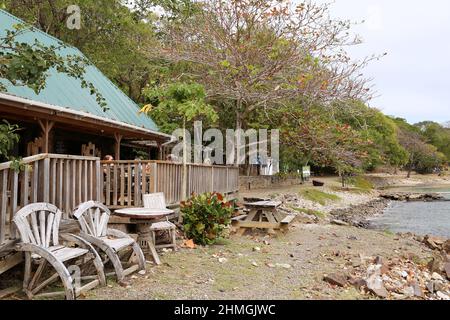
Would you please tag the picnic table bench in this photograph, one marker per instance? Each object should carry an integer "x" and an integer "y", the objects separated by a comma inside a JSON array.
[{"x": 263, "y": 215}]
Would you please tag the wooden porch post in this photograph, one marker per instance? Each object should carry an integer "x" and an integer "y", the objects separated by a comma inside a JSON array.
[
  {"x": 118, "y": 138},
  {"x": 46, "y": 127},
  {"x": 160, "y": 152}
]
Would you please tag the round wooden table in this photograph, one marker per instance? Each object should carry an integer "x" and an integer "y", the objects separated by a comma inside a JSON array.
[{"x": 144, "y": 218}]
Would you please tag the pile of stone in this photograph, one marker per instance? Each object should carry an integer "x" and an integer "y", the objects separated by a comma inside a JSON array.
[
  {"x": 436, "y": 243},
  {"x": 357, "y": 215},
  {"x": 397, "y": 279},
  {"x": 403, "y": 196}
]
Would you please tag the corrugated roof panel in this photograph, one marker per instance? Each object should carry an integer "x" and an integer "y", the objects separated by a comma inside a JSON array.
[{"x": 64, "y": 91}]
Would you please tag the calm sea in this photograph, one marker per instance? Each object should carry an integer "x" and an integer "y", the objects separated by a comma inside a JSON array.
[{"x": 420, "y": 218}]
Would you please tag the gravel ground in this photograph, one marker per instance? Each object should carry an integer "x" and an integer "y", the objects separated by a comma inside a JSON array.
[
  {"x": 257, "y": 266},
  {"x": 290, "y": 266}
]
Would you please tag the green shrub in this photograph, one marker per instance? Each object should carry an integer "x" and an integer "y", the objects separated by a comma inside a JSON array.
[
  {"x": 205, "y": 217},
  {"x": 318, "y": 196}
]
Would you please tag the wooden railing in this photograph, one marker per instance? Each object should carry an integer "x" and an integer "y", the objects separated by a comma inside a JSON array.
[
  {"x": 65, "y": 181},
  {"x": 126, "y": 181}
]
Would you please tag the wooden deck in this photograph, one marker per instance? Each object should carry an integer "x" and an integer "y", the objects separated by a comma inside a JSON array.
[
  {"x": 125, "y": 182},
  {"x": 66, "y": 181}
]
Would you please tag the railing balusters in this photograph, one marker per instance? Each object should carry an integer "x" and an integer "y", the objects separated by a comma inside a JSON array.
[
  {"x": 62, "y": 180},
  {"x": 4, "y": 204}
]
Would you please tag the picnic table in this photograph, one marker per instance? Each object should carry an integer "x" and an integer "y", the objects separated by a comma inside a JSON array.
[
  {"x": 144, "y": 218},
  {"x": 263, "y": 215}
]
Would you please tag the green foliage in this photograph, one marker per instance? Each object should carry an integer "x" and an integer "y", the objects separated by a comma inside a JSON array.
[
  {"x": 205, "y": 217},
  {"x": 318, "y": 196},
  {"x": 246, "y": 76},
  {"x": 117, "y": 40},
  {"x": 436, "y": 135},
  {"x": 174, "y": 104},
  {"x": 8, "y": 137},
  {"x": 25, "y": 64},
  {"x": 379, "y": 130},
  {"x": 423, "y": 157},
  {"x": 140, "y": 154},
  {"x": 313, "y": 136},
  {"x": 173, "y": 9}
]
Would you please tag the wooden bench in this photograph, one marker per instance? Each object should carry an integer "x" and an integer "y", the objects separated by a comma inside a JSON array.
[
  {"x": 239, "y": 218},
  {"x": 285, "y": 223},
  {"x": 262, "y": 215},
  {"x": 288, "y": 220}
]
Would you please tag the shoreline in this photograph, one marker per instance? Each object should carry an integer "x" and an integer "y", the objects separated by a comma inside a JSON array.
[{"x": 355, "y": 208}]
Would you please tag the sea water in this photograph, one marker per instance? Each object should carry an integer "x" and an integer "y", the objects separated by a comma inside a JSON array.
[{"x": 420, "y": 218}]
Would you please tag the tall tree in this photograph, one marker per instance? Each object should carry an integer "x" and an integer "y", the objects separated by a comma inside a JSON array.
[
  {"x": 377, "y": 128},
  {"x": 437, "y": 135},
  {"x": 423, "y": 157},
  {"x": 256, "y": 54},
  {"x": 312, "y": 137}
]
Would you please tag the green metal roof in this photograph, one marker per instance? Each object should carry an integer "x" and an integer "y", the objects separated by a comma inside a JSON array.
[{"x": 64, "y": 91}]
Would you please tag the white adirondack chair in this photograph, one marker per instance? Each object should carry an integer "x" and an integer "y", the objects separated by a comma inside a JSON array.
[
  {"x": 38, "y": 226},
  {"x": 93, "y": 218},
  {"x": 158, "y": 201}
]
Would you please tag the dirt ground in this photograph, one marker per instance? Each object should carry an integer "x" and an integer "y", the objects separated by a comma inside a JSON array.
[
  {"x": 256, "y": 266},
  {"x": 291, "y": 266}
]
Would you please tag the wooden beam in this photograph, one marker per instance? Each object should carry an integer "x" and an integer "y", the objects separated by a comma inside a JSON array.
[
  {"x": 46, "y": 127},
  {"x": 28, "y": 113},
  {"x": 160, "y": 152},
  {"x": 258, "y": 225},
  {"x": 118, "y": 137}
]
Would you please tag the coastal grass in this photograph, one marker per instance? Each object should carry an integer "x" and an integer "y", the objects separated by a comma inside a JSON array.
[
  {"x": 389, "y": 232},
  {"x": 318, "y": 196},
  {"x": 352, "y": 190},
  {"x": 310, "y": 212},
  {"x": 362, "y": 183}
]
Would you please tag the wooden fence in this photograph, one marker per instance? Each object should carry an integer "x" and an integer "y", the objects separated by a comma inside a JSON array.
[
  {"x": 126, "y": 181},
  {"x": 62, "y": 180},
  {"x": 66, "y": 181}
]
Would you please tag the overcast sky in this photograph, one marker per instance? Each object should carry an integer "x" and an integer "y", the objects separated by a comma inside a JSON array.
[{"x": 412, "y": 81}]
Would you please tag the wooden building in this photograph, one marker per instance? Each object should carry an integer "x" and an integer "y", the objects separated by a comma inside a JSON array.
[
  {"x": 65, "y": 118},
  {"x": 65, "y": 134}
]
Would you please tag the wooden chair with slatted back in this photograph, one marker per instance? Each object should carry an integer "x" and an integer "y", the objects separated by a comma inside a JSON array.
[
  {"x": 158, "y": 201},
  {"x": 93, "y": 218},
  {"x": 38, "y": 226}
]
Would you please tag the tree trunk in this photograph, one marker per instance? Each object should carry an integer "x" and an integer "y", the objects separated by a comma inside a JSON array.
[
  {"x": 184, "y": 186},
  {"x": 238, "y": 127}
]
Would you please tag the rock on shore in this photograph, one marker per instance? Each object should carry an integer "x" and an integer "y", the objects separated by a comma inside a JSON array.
[
  {"x": 357, "y": 215},
  {"x": 405, "y": 196}
]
